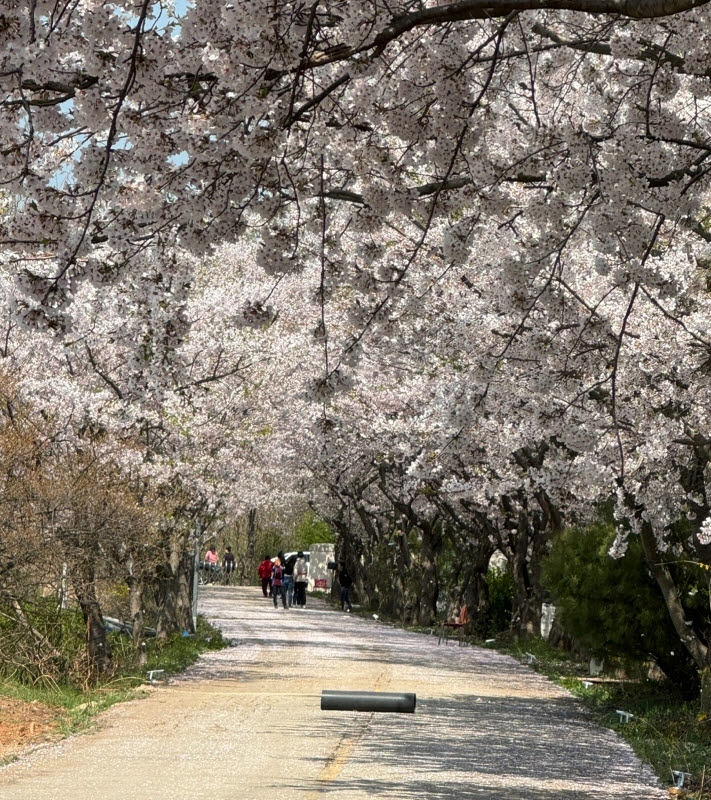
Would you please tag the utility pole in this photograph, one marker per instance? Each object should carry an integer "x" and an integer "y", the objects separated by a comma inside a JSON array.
[
  {"x": 196, "y": 562},
  {"x": 64, "y": 588}
]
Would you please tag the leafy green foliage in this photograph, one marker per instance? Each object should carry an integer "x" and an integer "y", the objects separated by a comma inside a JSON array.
[
  {"x": 556, "y": 664},
  {"x": 269, "y": 542},
  {"x": 311, "y": 529},
  {"x": 62, "y": 632},
  {"x": 76, "y": 705},
  {"x": 501, "y": 600},
  {"x": 172, "y": 654},
  {"x": 66, "y": 632},
  {"x": 612, "y": 607}
]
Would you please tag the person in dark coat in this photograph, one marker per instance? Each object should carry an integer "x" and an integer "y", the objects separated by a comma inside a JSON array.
[
  {"x": 228, "y": 561},
  {"x": 345, "y": 581}
]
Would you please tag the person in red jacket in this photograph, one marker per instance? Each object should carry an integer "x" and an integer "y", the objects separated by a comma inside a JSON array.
[{"x": 265, "y": 575}]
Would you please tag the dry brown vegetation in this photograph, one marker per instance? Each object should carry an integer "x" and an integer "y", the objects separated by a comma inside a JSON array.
[
  {"x": 23, "y": 725},
  {"x": 77, "y": 527}
]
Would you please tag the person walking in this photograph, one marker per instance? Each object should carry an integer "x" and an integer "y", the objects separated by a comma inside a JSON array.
[
  {"x": 264, "y": 570},
  {"x": 288, "y": 567},
  {"x": 345, "y": 581},
  {"x": 278, "y": 583},
  {"x": 228, "y": 564},
  {"x": 301, "y": 578}
]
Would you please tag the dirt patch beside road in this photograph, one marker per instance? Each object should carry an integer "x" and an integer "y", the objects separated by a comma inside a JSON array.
[{"x": 25, "y": 724}]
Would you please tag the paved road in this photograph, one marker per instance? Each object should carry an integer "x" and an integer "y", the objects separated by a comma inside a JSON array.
[{"x": 245, "y": 723}]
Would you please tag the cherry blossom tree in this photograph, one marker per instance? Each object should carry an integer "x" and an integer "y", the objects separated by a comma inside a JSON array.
[
  {"x": 135, "y": 129},
  {"x": 441, "y": 268}
]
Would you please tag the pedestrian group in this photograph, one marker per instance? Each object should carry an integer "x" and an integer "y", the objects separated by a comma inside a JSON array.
[
  {"x": 283, "y": 578},
  {"x": 286, "y": 579}
]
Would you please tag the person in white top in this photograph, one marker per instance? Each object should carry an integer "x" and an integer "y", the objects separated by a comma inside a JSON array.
[{"x": 301, "y": 578}]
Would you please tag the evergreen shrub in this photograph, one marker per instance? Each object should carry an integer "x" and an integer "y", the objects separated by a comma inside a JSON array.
[
  {"x": 501, "y": 600},
  {"x": 613, "y": 607}
]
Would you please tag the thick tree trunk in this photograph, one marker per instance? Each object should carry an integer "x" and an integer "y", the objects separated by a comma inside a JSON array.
[
  {"x": 97, "y": 644},
  {"x": 357, "y": 550},
  {"x": 403, "y": 606},
  {"x": 526, "y": 569},
  {"x": 250, "y": 563},
  {"x": 173, "y": 589},
  {"x": 429, "y": 581},
  {"x": 529, "y": 612},
  {"x": 528, "y": 603},
  {"x": 185, "y": 607},
  {"x": 167, "y": 601},
  {"x": 368, "y": 592},
  {"x": 174, "y": 610},
  {"x": 683, "y": 674},
  {"x": 705, "y": 681},
  {"x": 476, "y": 599},
  {"x": 476, "y": 591},
  {"x": 689, "y": 638},
  {"x": 559, "y": 638},
  {"x": 396, "y": 598}
]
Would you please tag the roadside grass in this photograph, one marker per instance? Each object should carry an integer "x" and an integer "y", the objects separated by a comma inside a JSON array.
[
  {"x": 77, "y": 705},
  {"x": 172, "y": 655},
  {"x": 668, "y": 732},
  {"x": 74, "y": 707}
]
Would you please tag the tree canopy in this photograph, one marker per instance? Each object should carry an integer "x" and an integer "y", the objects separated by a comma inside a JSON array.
[{"x": 440, "y": 270}]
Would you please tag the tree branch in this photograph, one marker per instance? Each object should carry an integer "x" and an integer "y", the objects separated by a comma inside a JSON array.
[{"x": 465, "y": 10}]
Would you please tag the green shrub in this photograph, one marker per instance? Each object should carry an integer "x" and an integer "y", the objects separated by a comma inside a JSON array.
[
  {"x": 612, "y": 607},
  {"x": 501, "y": 600},
  {"x": 60, "y": 659},
  {"x": 172, "y": 654},
  {"x": 54, "y": 646}
]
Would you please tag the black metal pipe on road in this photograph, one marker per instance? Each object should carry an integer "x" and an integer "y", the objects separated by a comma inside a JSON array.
[{"x": 394, "y": 702}]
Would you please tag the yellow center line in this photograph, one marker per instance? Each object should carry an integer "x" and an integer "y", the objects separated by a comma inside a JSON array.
[{"x": 346, "y": 745}]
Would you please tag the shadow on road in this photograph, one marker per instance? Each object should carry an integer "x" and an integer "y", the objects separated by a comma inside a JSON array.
[
  {"x": 511, "y": 750},
  {"x": 504, "y": 732}
]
